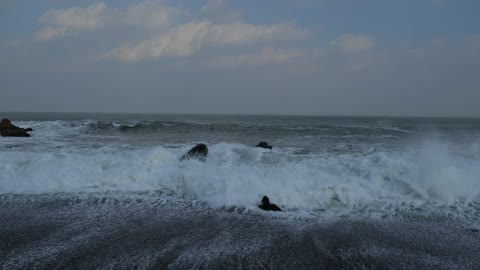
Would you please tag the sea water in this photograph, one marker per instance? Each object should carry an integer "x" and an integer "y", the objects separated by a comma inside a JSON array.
[{"x": 109, "y": 191}]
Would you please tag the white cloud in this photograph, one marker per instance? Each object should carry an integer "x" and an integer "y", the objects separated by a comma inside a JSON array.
[
  {"x": 63, "y": 22},
  {"x": 240, "y": 33},
  {"x": 147, "y": 14},
  {"x": 50, "y": 33},
  {"x": 349, "y": 43},
  {"x": 170, "y": 31},
  {"x": 188, "y": 38},
  {"x": 266, "y": 56}
]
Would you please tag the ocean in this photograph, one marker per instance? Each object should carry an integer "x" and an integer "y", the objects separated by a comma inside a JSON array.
[{"x": 108, "y": 191}]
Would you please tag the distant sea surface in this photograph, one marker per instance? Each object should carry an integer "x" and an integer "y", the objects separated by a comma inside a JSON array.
[{"x": 108, "y": 191}]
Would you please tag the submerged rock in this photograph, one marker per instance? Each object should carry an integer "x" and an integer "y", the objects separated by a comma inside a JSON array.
[
  {"x": 267, "y": 206},
  {"x": 264, "y": 145},
  {"x": 7, "y": 129},
  {"x": 200, "y": 152}
]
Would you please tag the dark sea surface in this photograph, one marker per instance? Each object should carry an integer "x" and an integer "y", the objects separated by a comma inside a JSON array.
[{"x": 108, "y": 191}]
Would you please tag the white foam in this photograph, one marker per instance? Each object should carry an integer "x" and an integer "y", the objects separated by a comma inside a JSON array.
[
  {"x": 444, "y": 176},
  {"x": 238, "y": 175}
]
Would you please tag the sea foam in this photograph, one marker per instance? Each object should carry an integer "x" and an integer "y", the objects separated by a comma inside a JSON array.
[{"x": 238, "y": 175}]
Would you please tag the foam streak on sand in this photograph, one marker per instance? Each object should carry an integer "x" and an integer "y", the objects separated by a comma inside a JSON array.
[{"x": 150, "y": 231}]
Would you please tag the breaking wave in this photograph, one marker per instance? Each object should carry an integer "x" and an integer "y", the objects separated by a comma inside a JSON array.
[{"x": 374, "y": 182}]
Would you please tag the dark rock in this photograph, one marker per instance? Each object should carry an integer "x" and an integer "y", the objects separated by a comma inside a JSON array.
[
  {"x": 7, "y": 129},
  {"x": 264, "y": 145},
  {"x": 200, "y": 151},
  {"x": 267, "y": 206},
  {"x": 6, "y": 124},
  {"x": 14, "y": 133}
]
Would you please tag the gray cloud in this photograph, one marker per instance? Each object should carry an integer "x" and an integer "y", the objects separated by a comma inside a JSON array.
[
  {"x": 349, "y": 43},
  {"x": 265, "y": 56},
  {"x": 174, "y": 61},
  {"x": 64, "y": 22},
  {"x": 188, "y": 38}
]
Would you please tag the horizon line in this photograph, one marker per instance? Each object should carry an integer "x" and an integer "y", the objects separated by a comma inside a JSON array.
[{"x": 243, "y": 114}]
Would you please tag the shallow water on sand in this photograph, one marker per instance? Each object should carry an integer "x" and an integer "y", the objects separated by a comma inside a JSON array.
[{"x": 155, "y": 231}]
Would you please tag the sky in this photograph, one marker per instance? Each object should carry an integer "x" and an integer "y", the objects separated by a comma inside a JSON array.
[{"x": 298, "y": 57}]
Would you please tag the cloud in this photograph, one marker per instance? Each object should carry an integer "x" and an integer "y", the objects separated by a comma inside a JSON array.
[
  {"x": 50, "y": 33},
  {"x": 266, "y": 56},
  {"x": 168, "y": 31},
  {"x": 348, "y": 43},
  {"x": 146, "y": 14},
  {"x": 63, "y": 22},
  {"x": 150, "y": 14},
  {"x": 218, "y": 11},
  {"x": 188, "y": 38}
]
